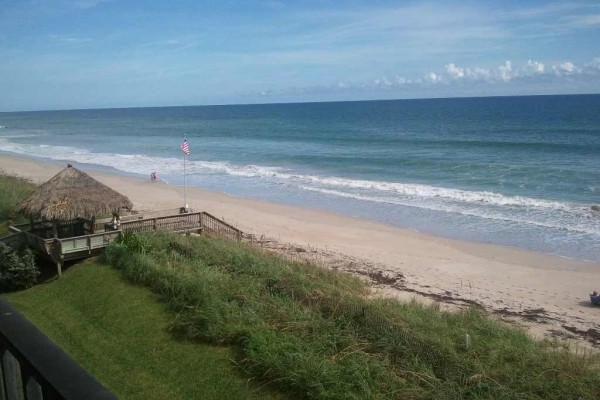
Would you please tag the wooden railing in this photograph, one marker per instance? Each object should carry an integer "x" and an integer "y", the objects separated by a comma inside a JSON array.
[
  {"x": 69, "y": 246},
  {"x": 213, "y": 225},
  {"x": 34, "y": 368},
  {"x": 38, "y": 242},
  {"x": 87, "y": 243},
  {"x": 44, "y": 229},
  {"x": 172, "y": 223}
]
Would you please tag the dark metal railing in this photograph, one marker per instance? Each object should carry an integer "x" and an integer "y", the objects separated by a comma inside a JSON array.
[{"x": 32, "y": 367}]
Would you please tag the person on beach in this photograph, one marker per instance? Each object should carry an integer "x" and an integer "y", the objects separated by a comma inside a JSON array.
[
  {"x": 153, "y": 176},
  {"x": 595, "y": 297}
]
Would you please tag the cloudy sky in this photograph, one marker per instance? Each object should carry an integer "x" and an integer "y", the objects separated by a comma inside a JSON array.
[{"x": 62, "y": 54}]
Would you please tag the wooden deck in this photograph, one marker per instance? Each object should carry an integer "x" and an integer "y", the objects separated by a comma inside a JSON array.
[{"x": 78, "y": 247}]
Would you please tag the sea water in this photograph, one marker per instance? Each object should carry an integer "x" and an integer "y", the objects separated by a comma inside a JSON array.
[{"x": 514, "y": 171}]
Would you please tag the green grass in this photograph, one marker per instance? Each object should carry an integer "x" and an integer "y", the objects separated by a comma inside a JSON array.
[
  {"x": 313, "y": 333},
  {"x": 122, "y": 335},
  {"x": 12, "y": 191}
]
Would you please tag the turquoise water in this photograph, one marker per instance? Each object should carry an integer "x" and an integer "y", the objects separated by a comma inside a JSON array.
[{"x": 516, "y": 171}]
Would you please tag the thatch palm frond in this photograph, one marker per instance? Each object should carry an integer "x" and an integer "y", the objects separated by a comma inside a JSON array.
[{"x": 72, "y": 194}]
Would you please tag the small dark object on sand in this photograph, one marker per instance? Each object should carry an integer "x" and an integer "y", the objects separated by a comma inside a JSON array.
[{"x": 595, "y": 298}]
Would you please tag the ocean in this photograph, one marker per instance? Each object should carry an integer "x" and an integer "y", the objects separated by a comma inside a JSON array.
[{"x": 513, "y": 171}]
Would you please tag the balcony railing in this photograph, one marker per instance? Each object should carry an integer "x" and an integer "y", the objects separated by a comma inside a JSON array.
[{"x": 32, "y": 367}]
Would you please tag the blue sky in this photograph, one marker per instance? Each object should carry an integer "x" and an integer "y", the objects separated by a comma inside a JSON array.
[{"x": 62, "y": 54}]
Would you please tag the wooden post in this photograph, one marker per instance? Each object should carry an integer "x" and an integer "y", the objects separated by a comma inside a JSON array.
[
  {"x": 55, "y": 228},
  {"x": 57, "y": 256}
]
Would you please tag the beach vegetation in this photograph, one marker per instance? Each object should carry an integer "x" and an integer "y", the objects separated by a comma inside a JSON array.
[
  {"x": 314, "y": 333},
  {"x": 12, "y": 191}
]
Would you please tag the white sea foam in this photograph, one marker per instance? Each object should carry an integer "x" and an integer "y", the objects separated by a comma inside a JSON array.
[
  {"x": 404, "y": 189},
  {"x": 487, "y": 205},
  {"x": 567, "y": 221}
]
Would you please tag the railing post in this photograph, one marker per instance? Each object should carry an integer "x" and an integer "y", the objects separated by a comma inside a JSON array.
[
  {"x": 10, "y": 369},
  {"x": 33, "y": 390}
]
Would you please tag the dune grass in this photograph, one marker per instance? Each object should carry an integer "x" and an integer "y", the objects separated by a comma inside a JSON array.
[
  {"x": 314, "y": 334},
  {"x": 122, "y": 335},
  {"x": 12, "y": 191}
]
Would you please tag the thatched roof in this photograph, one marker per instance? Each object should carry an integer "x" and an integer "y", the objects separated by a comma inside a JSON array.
[{"x": 72, "y": 194}]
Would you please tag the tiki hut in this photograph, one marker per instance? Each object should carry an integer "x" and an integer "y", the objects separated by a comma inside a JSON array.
[
  {"x": 72, "y": 194},
  {"x": 70, "y": 201}
]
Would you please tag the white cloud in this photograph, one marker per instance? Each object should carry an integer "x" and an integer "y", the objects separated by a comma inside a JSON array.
[
  {"x": 568, "y": 67},
  {"x": 70, "y": 40},
  {"x": 501, "y": 76},
  {"x": 478, "y": 74},
  {"x": 505, "y": 71},
  {"x": 454, "y": 72},
  {"x": 591, "y": 20},
  {"x": 432, "y": 77},
  {"x": 401, "y": 80},
  {"x": 565, "y": 68},
  {"x": 88, "y": 3},
  {"x": 534, "y": 66}
]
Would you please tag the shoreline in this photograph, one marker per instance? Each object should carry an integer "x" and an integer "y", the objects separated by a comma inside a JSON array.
[{"x": 547, "y": 294}]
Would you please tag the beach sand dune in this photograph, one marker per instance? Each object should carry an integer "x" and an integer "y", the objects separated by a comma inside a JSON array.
[{"x": 546, "y": 294}]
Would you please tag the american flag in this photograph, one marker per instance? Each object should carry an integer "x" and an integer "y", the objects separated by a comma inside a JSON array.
[{"x": 185, "y": 147}]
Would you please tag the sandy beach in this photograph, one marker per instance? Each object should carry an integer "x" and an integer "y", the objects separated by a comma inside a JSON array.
[{"x": 546, "y": 294}]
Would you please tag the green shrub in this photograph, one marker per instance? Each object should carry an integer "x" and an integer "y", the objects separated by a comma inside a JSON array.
[
  {"x": 17, "y": 269},
  {"x": 134, "y": 242}
]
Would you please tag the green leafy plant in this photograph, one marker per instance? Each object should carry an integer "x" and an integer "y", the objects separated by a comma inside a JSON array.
[
  {"x": 134, "y": 242},
  {"x": 17, "y": 269}
]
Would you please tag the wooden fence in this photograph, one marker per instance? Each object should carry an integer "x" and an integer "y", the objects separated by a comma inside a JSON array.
[
  {"x": 172, "y": 223},
  {"x": 215, "y": 226}
]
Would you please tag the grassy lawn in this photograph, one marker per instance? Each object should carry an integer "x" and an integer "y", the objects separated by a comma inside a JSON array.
[{"x": 120, "y": 334}]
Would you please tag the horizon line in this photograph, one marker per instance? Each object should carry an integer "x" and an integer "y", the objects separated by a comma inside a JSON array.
[{"x": 297, "y": 102}]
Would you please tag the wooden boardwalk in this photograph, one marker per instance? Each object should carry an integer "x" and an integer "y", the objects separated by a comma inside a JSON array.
[{"x": 87, "y": 245}]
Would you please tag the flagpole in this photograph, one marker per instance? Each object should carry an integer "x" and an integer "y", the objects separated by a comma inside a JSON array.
[
  {"x": 186, "y": 150},
  {"x": 185, "y": 203}
]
